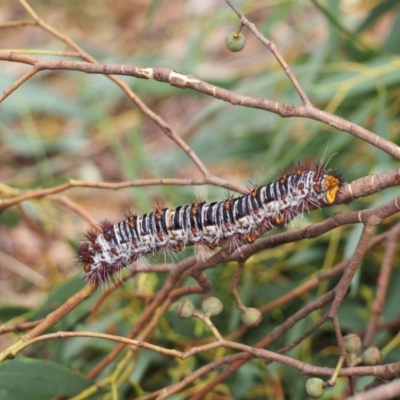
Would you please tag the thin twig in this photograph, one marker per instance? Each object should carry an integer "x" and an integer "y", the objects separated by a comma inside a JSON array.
[
  {"x": 275, "y": 52},
  {"x": 382, "y": 285}
]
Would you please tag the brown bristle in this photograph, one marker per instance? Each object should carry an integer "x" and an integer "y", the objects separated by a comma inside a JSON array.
[
  {"x": 91, "y": 235},
  {"x": 106, "y": 225},
  {"x": 130, "y": 216}
]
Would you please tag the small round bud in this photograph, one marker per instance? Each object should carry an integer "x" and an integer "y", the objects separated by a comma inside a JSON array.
[
  {"x": 315, "y": 387},
  {"x": 235, "y": 41},
  {"x": 251, "y": 316},
  {"x": 212, "y": 306},
  {"x": 185, "y": 309},
  {"x": 352, "y": 343},
  {"x": 371, "y": 356}
]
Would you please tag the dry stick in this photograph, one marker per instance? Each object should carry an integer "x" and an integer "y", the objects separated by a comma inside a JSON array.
[
  {"x": 185, "y": 291},
  {"x": 382, "y": 284},
  {"x": 76, "y": 208},
  {"x": 73, "y": 54},
  {"x": 371, "y": 221},
  {"x": 201, "y": 265},
  {"x": 254, "y": 352},
  {"x": 18, "y": 82},
  {"x": 383, "y": 392},
  {"x": 304, "y": 335},
  {"x": 23, "y": 326},
  {"x": 233, "y": 286},
  {"x": 39, "y": 193},
  {"x": 17, "y": 24},
  {"x": 341, "y": 288},
  {"x": 189, "y": 82}
]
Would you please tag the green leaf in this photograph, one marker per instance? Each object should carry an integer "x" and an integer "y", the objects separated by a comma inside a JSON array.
[
  {"x": 25, "y": 378},
  {"x": 59, "y": 296},
  {"x": 10, "y": 312}
]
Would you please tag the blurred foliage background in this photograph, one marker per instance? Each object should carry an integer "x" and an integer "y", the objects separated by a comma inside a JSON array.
[{"x": 67, "y": 125}]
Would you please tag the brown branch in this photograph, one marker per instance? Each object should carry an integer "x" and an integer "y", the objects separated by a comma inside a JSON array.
[
  {"x": 382, "y": 285},
  {"x": 181, "y": 81},
  {"x": 362, "y": 247},
  {"x": 74, "y": 207},
  {"x": 23, "y": 326},
  {"x": 383, "y": 392},
  {"x": 39, "y": 193},
  {"x": 12, "y": 88},
  {"x": 304, "y": 335},
  {"x": 17, "y": 24},
  {"x": 233, "y": 287},
  {"x": 44, "y": 52},
  {"x": 390, "y": 324}
]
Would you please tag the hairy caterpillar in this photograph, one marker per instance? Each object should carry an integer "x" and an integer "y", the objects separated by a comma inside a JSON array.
[{"x": 116, "y": 246}]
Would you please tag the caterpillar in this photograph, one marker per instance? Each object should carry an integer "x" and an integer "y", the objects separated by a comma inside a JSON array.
[{"x": 105, "y": 252}]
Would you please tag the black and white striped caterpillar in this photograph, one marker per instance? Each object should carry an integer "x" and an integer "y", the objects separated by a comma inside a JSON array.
[{"x": 207, "y": 224}]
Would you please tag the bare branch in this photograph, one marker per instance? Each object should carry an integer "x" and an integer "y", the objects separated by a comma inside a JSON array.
[{"x": 189, "y": 82}]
